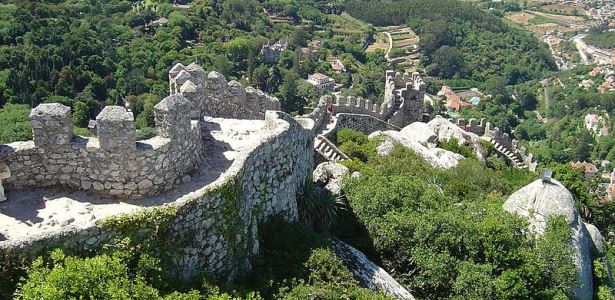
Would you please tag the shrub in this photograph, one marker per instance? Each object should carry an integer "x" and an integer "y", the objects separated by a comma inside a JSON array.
[
  {"x": 443, "y": 233},
  {"x": 145, "y": 133},
  {"x": 82, "y": 131},
  {"x": 317, "y": 208},
  {"x": 454, "y": 146},
  {"x": 329, "y": 279},
  {"x": 100, "y": 277},
  {"x": 356, "y": 145}
]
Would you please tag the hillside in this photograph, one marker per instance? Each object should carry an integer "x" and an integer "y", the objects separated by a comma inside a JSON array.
[
  {"x": 303, "y": 149},
  {"x": 459, "y": 41}
]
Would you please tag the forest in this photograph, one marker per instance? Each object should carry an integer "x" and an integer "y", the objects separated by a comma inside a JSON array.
[
  {"x": 458, "y": 41},
  {"x": 601, "y": 39},
  {"x": 88, "y": 54}
]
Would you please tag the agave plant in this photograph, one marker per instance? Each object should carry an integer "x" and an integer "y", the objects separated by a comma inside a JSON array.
[{"x": 317, "y": 207}]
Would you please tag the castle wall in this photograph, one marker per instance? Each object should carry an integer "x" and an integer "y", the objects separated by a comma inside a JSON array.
[
  {"x": 211, "y": 230},
  {"x": 402, "y": 105},
  {"x": 112, "y": 165},
  {"x": 362, "y": 123},
  {"x": 484, "y": 128},
  {"x": 210, "y": 94}
]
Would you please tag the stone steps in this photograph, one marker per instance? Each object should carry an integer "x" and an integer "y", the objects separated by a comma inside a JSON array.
[
  {"x": 327, "y": 149},
  {"x": 507, "y": 153}
]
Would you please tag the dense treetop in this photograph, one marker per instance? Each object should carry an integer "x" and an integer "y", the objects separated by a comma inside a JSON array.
[{"x": 459, "y": 41}]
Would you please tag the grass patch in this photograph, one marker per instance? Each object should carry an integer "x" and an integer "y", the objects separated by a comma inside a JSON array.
[{"x": 604, "y": 39}]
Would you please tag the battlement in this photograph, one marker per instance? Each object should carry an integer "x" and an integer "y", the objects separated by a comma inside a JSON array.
[
  {"x": 405, "y": 81},
  {"x": 210, "y": 94},
  {"x": 473, "y": 125},
  {"x": 113, "y": 164},
  {"x": 512, "y": 144},
  {"x": 402, "y": 105}
]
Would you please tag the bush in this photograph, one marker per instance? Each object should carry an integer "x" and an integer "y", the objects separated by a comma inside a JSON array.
[
  {"x": 146, "y": 133},
  {"x": 329, "y": 279},
  {"x": 317, "y": 208},
  {"x": 454, "y": 146},
  {"x": 348, "y": 135},
  {"x": 443, "y": 233},
  {"x": 356, "y": 145},
  {"x": 100, "y": 277},
  {"x": 82, "y": 131}
]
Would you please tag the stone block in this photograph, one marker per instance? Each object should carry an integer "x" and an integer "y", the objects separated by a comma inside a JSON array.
[
  {"x": 51, "y": 125},
  {"x": 172, "y": 121},
  {"x": 116, "y": 129}
]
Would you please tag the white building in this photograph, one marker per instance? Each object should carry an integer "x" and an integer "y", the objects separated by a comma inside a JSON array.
[{"x": 322, "y": 82}]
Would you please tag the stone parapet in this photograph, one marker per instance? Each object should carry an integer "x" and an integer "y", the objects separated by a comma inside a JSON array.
[
  {"x": 210, "y": 94},
  {"x": 112, "y": 165},
  {"x": 214, "y": 229}
]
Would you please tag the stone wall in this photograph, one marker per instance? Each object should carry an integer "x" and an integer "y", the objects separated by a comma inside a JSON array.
[
  {"x": 112, "y": 165},
  {"x": 213, "y": 229},
  {"x": 210, "y": 94},
  {"x": 362, "y": 123},
  {"x": 486, "y": 129},
  {"x": 402, "y": 105}
]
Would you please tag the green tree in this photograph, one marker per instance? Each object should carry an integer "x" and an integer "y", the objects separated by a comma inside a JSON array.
[{"x": 81, "y": 115}]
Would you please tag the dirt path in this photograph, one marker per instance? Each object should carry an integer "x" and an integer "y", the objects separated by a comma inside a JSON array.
[{"x": 386, "y": 55}]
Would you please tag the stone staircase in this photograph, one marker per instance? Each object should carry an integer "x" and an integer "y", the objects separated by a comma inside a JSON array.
[
  {"x": 327, "y": 149},
  {"x": 514, "y": 158}
]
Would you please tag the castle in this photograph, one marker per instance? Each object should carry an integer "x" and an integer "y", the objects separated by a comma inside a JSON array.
[
  {"x": 402, "y": 105},
  {"x": 225, "y": 158},
  {"x": 271, "y": 53}
]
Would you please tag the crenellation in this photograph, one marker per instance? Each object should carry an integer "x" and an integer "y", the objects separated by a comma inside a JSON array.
[
  {"x": 341, "y": 101},
  {"x": 197, "y": 74},
  {"x": 237, "y": 93},
  {"x": 52, "y": 126},
  {"x": 114, "y": 165},
  {"x": 351, "y": 103},
  {"x": 360, "y": 104},
  {"x": 216, "y": 84},
  {"x": 171, "y": 118},
  {"x": 180, "y": 79},
  {"x": 212, "y": 95},
  {"x": 252, "y": 99},
  {"x": 116, "y": 130},
  {"x": 173, "y": 86}
]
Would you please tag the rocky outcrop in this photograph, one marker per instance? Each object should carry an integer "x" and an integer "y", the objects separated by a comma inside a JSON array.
[
  {"x": 368, "y": 273},
  {"x": 422, "y": 133},
  {"x": 445, "y": 130},
  {"x": 436, "y": 157},
  {"x": 598, "y": 243},
  {"x": 545, "y": 198},
  {"x": 329, "y": 176}
]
